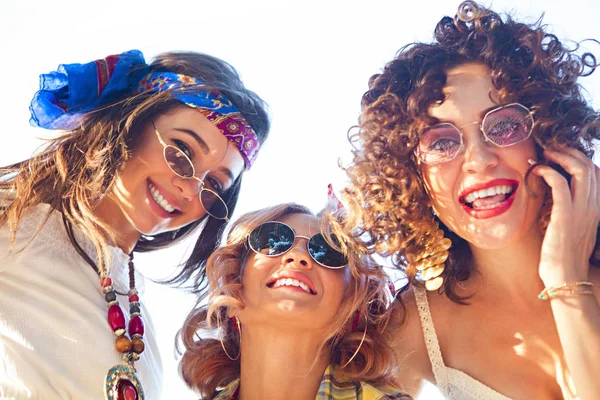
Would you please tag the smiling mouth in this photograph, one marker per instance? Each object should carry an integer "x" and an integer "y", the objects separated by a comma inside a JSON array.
[
  {"x": 488, "y": 198},
  {"x": 290, "y": 283},
  {"x": 160, "y": 200}
]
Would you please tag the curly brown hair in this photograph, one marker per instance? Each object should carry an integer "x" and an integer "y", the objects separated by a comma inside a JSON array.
[
  {"x": 74, "y": 171},
  {"x": 205, "y": 366},
  {"x": 389, "y": 209}
]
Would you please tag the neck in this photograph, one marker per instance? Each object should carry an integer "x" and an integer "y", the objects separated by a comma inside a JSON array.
[
  {"x": 510, "y": 271},
  {"x": 280, "y": 364},
  {"x": 109, "y": 212}
]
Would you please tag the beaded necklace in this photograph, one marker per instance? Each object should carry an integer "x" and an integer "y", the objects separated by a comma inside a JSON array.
[{"x": 121, "y": 381}]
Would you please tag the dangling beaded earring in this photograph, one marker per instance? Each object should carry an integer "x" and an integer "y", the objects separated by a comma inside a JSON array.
[
  {"x": 121, "y": 381},
  {"x": 431, "y": 260},
  {"x": 236, "y": 327}
]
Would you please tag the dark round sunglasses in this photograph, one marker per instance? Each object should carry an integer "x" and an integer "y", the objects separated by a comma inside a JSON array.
[{"x": 274, "y": 238}]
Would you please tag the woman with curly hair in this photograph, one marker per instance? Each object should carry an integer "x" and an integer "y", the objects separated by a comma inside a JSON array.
[
  {"x": 149, "y": 155},
  {"x": 474, "y": 176},
  {"x": 289, "y": 317}
]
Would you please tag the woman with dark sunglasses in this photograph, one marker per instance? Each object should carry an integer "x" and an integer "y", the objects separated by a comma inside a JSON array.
[
  {"x": 149, "y": 155},
  {"x": 288, "y": 317},
  {"x": 457, "y": 179}
]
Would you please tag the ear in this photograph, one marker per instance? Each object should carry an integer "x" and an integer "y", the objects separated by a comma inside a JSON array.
[{"x": 494, "y": 96}]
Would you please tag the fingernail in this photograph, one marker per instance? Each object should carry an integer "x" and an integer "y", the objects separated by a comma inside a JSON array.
[{"x": 531, "y": 161}]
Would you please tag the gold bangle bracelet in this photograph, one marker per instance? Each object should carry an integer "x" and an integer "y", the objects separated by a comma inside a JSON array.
[{"x": 566, "y": 288}]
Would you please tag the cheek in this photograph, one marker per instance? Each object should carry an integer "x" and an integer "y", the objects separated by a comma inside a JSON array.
[
  {"x": 439, "y": 184},
  {"x": 254, "y": 275},
  {"x": 336, "y": 283},
  {"x": 143, "y": 159}
]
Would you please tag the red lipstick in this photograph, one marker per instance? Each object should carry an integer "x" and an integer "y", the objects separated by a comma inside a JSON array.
[{"x": 501, "y": 208}]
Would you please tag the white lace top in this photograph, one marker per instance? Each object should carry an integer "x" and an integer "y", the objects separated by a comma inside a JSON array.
[
  {"x": 55, "y": 341},
  {"x": 452, "y": 383}
]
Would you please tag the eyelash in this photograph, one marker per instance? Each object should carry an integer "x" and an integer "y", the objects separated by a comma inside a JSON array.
[
  {"x": 183, "y": 146},
  {"x": 217, "y": 187}
]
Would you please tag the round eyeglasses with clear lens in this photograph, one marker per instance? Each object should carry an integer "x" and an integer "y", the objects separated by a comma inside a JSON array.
[
  {"x": 503, "y": 126},
  {"x": 183, "y": 167}
]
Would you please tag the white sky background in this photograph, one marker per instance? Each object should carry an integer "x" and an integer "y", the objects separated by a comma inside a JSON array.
[{"x": 309, "y": 60}]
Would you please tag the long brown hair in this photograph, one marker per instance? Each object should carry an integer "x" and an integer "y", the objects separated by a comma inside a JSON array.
[
  {"x": 389, "y": 208},
  {"x": 79, "y": 167},
  {"x": 205, "y": 366}
]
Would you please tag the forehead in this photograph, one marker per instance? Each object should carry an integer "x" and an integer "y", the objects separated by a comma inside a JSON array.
[
  {"x": 221, "y": 151},
  {"x": 468, "y": 89},
  {"x": 303, "y": 224}
]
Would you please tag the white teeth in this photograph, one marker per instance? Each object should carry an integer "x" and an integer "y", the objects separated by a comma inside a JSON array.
[
  {"x": 291, "y": 282},
  {"x": 492, "y": 191},
  {"x": 160, "y": 200}
]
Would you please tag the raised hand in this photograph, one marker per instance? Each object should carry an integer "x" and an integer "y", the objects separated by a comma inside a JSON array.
[{"x": 571, "y": 233}]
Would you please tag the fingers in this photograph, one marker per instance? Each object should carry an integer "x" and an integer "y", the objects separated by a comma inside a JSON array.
[
  {"x": 584, "y": 186},
  {"x": 561, "y": 195},
  {"x": 576, "y": 154},
  {"x": 571, "y": 162}
]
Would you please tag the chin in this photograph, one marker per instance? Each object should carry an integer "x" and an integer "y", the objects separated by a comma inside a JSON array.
[
  {"x": 496, "y": 237},
  {"x": 142, "y": 226}
]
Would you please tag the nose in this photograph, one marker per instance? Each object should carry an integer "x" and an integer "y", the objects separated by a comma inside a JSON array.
[
  {"x": 480, "y": 155},
  {"x": 298, "y": 256}
]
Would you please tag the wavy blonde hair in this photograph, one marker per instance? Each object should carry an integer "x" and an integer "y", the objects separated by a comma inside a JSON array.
[
  {"x": 389, "y": 208},
  {"x": 205, "y": 366}
]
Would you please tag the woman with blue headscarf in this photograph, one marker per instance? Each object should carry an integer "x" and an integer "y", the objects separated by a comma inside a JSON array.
[{"x": 149, "y": 155}]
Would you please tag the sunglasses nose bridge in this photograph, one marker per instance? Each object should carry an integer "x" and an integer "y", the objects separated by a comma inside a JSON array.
[
  {"x": 200, "y": 186},
  {"x": 483, "y": 135}
]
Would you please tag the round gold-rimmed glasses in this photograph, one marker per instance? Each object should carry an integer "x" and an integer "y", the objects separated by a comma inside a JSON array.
[
  {"x": 183, "y": 167},
  {"x": 503, "y": 126}
]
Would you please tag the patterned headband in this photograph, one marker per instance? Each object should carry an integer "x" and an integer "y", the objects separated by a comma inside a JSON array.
[
  {"x": 74, "y": 89},
  {"x": 213, "y": 105}
]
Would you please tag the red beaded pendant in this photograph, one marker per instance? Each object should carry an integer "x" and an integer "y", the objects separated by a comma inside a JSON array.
[{"x": 122, "y": 383}]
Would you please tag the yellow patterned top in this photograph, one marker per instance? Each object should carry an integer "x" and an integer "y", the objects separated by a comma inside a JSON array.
[{"x": 332, "y": 389}]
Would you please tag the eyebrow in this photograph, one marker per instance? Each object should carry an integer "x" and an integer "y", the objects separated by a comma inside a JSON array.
[
  {"x": 487, "y": 110},
  {"x": 227, "y": 172},
  {"x": 206, "y": 149},
  {"x": 201, "y": 142},
  {"x": 481, "y": 114}
]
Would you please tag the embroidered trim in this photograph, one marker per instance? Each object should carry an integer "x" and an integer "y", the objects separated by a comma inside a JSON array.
[
  {"x": 431, "y": 342},
  {"x": 465, "y": 384}
]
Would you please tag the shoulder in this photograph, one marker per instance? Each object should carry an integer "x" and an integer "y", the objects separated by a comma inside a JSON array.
[
  {"x": 6, "y": 198},
  {"x": 40, "y": 238},
  {"x": 408, "y": 343}
]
